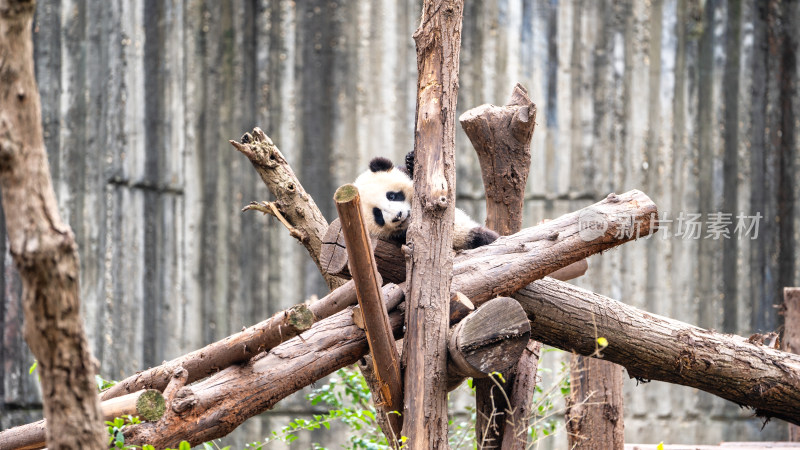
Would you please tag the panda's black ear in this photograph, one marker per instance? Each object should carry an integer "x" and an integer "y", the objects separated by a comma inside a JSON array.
[{"x": 380, "y": 164}]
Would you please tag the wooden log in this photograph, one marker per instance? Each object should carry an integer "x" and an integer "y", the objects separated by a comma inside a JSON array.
[
  {"x": 490, "y": 339},
  {"x": 649, "y": 346},
  {"x": 653, "y": 347},
  {"x": 148, "y": 405},
  {"x": 517, "y": 419},
  {"x": 292, "y": 203},
  {"x": 334, "y": 255},
  {"x": 572, "y": 271},
  {"x": 233, "y": 349},
  {"x": 791, "y": 335},
  {"x": 335, "y": 342},
  {"x": 501, "y": 136},
  {"x": 391, "y": 261},
  {"x": 595, "y": 405},
  {"x": 460, "y": 307},
  {"x": 430, "y": 268},
  {"x": 538, "y": 241},
  {"x": 43, "y": 246},
  {"x": 386, "y": 361},
  {"x": 497, "y": 270}
]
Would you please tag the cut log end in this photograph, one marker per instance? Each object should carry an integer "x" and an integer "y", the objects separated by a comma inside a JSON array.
[
  {"x": 490, "y": 339},
  {"x": 300, "y": 317},
  {"x": 346, "y": 193},
  {"x": 151, "y": 405}
]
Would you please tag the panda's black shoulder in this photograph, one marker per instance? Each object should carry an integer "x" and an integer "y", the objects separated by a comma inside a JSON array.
[{"x": 380, "y": 164}]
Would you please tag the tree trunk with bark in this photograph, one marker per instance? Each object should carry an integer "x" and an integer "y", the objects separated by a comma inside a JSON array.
[
  {"x": 43, "y": 247},
  {"x": 595, "y": 405},
  {"x": 791, "y": 336},
  {"x": 502, "y": 136},
  {"x": 146, "y": 404},
  {"x": 438, "y": 40}
]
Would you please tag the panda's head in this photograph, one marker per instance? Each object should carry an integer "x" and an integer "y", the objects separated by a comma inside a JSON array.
[{"x": 385, "y": 199}]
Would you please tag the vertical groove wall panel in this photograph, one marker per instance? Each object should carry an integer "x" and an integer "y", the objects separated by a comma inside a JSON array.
[{"x": 693, "y": 102}]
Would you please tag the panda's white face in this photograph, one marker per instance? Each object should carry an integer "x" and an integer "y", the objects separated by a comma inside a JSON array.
[{"x": 385, "y": 199}]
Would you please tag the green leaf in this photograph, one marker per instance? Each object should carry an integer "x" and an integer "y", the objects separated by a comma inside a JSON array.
[
  {"x": 33, "y": 367},
  {"x": 184, "y": 446},
  {"x": 660, "y": 446}
]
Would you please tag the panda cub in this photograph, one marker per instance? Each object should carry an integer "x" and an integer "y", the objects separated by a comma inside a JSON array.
[{"x": 386, "y": 194}]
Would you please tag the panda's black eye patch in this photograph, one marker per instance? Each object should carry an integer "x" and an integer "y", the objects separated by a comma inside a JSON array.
[
  {"x": 395, "y": 196},
  {"x": 377, "y": 214}
]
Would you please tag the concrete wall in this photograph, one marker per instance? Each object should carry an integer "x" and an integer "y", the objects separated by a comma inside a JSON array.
[{"x": 693, "y": 102}]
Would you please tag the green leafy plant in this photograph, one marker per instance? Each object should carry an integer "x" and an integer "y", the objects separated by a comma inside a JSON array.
[
  {"x": 103, "y": 384},
  {"x": 350, "y": 402},
  {"x": 116, "y": 429}
]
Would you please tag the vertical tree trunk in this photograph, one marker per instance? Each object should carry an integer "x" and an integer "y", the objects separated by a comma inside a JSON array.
[
  {"x": 43, "y": 247},
  {"x": 594, "y": 407},
  {"x": 438, "y": 40},
  {"x": 791, "y": 336},
  {"x": 502, "y": 138}
]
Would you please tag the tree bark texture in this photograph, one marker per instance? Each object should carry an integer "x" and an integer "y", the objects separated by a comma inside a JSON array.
[
  {"x": 501, "y": 136},
  {"x": 539, "y": 241},
  {"x": 649, "y": 346},
  {"x": 304, "y": 220},
  {"x": 653, "y": 347},
  {"x": 333, "y": 257},
  {"x": 515, "y": 433},
  {"x": 233, "y": 349},
  {"x": 438, "y": 41},
  {"x": 247, "y": 390},
  {"x": 499, "y": 271},
  {"x": 490, "y": 339},
  {"x": 42, "y": 246},
  {"x": 385, "y": 358},
  {"x": 146, "y": 404},
  {"x": 791, "y": 336},
  {"x": 594, "y": 415},
  {"x": 215, "y": 406}
]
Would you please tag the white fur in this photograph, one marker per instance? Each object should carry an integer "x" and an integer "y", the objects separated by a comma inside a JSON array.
[{"x": 373, "y": 186}]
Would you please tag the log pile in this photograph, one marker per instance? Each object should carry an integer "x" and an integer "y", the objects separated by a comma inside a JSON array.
[{"x": 271, "y": 361}]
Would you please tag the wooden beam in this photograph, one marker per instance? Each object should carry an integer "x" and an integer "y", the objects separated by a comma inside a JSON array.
[
  {"x": 481, "y": 274},
  {"x": 235, "y": 348},
  {"x": 385, "y": 359}
]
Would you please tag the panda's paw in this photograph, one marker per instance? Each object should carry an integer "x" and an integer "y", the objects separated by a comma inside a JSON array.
[
  {"x": 410, "y": 163},
  {"x": 480, "y": 236}
]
